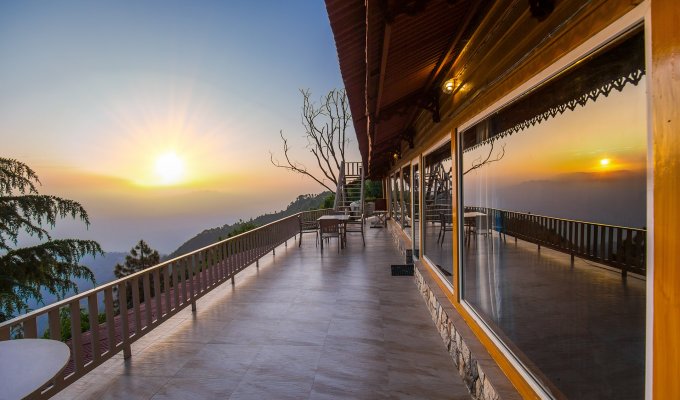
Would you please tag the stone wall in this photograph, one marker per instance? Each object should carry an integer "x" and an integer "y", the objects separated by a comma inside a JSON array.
[{"x": 479, "y": 371}]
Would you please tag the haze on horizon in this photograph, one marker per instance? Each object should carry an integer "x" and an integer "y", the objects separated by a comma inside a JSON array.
[{"x": 159, "y": 116}]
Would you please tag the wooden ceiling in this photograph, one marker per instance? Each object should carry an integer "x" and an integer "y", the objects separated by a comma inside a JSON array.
[{"x": 392, "y": 57}]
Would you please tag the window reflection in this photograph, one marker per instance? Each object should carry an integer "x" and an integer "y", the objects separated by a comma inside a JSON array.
[
  {"x": 406, "y": 199},
  {"x": 437, "y": 198},
  {"x": 416, "y": 212},
  {"x": 393, "y": 197},
  {"x": 554, "y": 235}
]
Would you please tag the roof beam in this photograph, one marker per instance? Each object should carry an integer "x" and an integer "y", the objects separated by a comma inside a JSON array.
[
  {"x": 443, "y": 60},
  {"x": 383, "y": 66}
]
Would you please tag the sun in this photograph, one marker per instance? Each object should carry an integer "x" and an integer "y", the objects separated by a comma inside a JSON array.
[
  {"x": 605, "y": 162},
  {"x": 169, "y": 168}
]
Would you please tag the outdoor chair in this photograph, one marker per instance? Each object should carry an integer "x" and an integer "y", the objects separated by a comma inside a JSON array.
[
  {"x": 480, "y": 227},
  {"x": 445, "y": 225},
  {"x": 308, "y": 226},
  {"x": 499, "y": 225},
  {"x": 330, "y": 229},
  {"x": 356, "y": 224}
]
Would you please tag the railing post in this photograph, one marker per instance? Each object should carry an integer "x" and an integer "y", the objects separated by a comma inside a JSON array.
[
  {"x": 191, "y": 271},
  {"x": 123, "y": 308}
]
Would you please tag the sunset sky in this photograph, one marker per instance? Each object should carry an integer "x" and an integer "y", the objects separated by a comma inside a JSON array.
[
  {"x": 158, "y": 116},
  {"x": 586, "y": 164}
]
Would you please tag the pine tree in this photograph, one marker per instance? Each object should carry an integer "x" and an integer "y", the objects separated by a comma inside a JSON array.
[
  {"x": 140, "y": 258},
  {"x": 51, "y": 264}
]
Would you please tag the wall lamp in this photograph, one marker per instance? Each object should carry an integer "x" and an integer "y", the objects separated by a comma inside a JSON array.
[{"x": 448, "y": 86}]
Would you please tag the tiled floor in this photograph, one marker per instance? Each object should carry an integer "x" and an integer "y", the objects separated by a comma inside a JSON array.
[{"x": 305, "y": 325}]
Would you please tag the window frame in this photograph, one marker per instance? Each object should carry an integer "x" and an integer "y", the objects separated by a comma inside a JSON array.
[
  {"x": 448, "y": 283},
  {"x": 630, "y": 21}
]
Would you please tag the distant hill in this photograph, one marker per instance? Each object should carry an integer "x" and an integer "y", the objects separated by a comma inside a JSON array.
[
  {"x": 209, "y": 236},
  {"x": 102, "y": 268}
]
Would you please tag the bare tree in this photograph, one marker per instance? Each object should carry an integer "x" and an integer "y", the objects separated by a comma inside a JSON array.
[
  {"x": 325, "y": 127},
  {"x": 478, "y": 162}
]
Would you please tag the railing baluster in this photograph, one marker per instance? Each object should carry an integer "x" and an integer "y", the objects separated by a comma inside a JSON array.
[
  {"x": 595, "y": 247},
  {"x": 184, "y": 272},
  {"x": 76, "y": 338},
  {"x": 167, "y": 288},
  {"x": 220, "y": 262},
  {"x": 600, "y": 244},
  {"x": 191, "y": 267},
  {"x": 175, "y": 285},
  {"x": 125, "y": 333},
  {"x": 213, "y": 266},
  {"x": 110, "y": 320},
  {"x": 93, "y": 312},
  {"x": 54, "y": 323},
  {"x": 4, "y": 332},
  {"x": 134, "y": 287},
  {"x": 610, "y": 244},
  {"x": 157, "y": 294},
  {"x": 30, "y": 328},
  {"x": 146, "y": 282}
]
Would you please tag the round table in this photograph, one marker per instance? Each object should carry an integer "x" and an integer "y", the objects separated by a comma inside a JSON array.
[{"x": 27, "y": 364}]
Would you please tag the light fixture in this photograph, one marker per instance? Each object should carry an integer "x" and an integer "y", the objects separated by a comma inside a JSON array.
[{"x": 448, "y": 86}]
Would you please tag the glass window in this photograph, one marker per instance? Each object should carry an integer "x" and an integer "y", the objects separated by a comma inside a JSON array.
[
  {"x": 554, "y": 201},
  {"x": 416, "y": 212},
  {"x": 393, "y": 197},
  {"x": 437, "y": 228},
  {"x": 397, "y": 197},
  {"x": 406, "y": 199}
]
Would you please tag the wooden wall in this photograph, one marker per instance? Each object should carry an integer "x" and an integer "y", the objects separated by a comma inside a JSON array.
[
  {"x": 542, "y": 48},
  {"x": 665, "y": 121}
]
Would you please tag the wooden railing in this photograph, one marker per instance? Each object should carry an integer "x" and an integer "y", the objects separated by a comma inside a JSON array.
[
  {"x": 615, "y": 246},
  {"x": 352, "y": 168},
  {"x": 157, "y": 294}
]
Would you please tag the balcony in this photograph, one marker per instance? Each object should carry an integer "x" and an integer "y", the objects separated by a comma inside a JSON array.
[{"x": 300, "y": 323}]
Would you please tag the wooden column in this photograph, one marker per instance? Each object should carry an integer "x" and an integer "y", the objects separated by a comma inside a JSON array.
[{"x": 665, "y": 122}]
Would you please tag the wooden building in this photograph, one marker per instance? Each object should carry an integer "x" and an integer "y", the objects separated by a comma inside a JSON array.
[{"x": 464, "y": 109}]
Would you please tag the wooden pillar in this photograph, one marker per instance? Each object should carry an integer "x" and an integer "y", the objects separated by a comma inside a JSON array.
[{"x": 665, "y": 124}]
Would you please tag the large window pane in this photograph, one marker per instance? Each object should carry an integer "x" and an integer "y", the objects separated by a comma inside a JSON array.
[
  {"x": 437, "y": 238},
  {"x": 555, "y": 227},
  {"x": 416, "y": 212},
  {"x": 406, "y": 199},
  {"x": 393, "y": 197}
]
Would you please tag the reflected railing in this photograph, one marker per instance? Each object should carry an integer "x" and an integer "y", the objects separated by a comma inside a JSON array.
[
  {"x": 619, "y": 247},
  {"x": 157, "y": 293}
]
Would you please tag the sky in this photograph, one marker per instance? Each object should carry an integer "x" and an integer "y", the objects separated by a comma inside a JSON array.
[{"x": 159, "y": 116}]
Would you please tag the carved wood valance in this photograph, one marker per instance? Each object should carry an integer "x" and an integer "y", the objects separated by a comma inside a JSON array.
[{"x": 614, "y": 67}]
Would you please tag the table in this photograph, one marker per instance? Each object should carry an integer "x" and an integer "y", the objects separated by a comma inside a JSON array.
[
  {"x": 339, "y": 219},
  {"x": 27, "y": 364}
]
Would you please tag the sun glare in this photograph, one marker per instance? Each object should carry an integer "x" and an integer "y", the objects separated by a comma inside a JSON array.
[
  {"x": 604, "y": 162},
  {"x": 169, "y": 168}
]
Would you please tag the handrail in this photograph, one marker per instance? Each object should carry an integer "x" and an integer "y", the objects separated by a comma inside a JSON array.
[
  {"x": 620, "y": 247},
  {"x": 147, "y": 298}
]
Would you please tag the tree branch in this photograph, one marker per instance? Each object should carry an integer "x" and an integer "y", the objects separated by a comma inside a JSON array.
[
  {"x": 293, "y": 166},
  {"x": 478, "y": 163}
]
